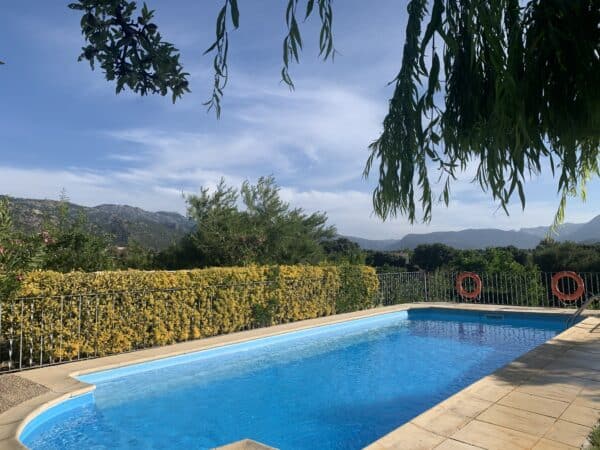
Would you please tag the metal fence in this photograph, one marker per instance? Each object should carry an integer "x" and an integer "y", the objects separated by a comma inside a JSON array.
[
  {"x": 39, "y": 331},
  {"x": 46, "y": 330},
  {"x": 514, "y": 289}
]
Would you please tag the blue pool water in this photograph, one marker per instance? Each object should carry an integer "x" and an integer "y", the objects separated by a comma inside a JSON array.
[{"x": 335, "y": 387}]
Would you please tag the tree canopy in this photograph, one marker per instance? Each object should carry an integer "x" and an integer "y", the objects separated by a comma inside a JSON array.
[
  {"x": 72, "y": 244},
  {"x": 432, "y": 256},
  {"x": 510, "y": 87},
  {"x": 252, "y": 225}
]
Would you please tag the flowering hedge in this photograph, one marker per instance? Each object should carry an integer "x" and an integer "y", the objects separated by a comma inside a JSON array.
[{"x": 65, "y": 316}]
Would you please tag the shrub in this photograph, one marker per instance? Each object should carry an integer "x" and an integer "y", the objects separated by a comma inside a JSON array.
[
  {"x": 62, "y": 316},
  {"x": 358, "y": 284}
]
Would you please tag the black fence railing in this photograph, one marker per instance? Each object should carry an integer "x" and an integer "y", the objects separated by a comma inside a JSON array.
[
  {"x": 39, "y": 331},
  {"x": 514, "y": 289}
]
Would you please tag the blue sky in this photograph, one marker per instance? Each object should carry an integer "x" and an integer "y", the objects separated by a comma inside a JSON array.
[{"x": 62, "y": 126}]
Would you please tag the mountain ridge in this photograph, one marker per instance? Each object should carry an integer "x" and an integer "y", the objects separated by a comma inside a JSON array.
[
  {"x": 473, "y": 238},
  {"x": 126, "y": 224},
  {"x": 157, "y": 230}
]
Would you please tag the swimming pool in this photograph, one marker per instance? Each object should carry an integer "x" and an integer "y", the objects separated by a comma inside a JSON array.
[{"x": 338, "y": 386}]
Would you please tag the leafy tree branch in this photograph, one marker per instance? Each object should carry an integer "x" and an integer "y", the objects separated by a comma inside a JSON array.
[{"x": 510, "y": 87}]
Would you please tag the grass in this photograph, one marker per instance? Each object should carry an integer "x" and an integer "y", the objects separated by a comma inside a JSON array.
[{"x": 594, "y": 438}]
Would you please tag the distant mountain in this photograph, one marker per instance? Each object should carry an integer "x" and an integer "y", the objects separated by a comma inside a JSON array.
[
  {"x": 158, "y": 230},
  {"x": 563, "y": 231},
  {"x": 155, "y": 230},
  {"x": 374, "y": 244},
  {"x": 472, "y": 239},
  {"x": 586, "y": 233},
  {"x": 539, "y": 232},
  {"x": 481, "y": 238}
]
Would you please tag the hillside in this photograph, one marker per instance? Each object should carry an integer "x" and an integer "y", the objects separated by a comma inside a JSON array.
[
  {"x": 155, "y": 230},
  {"x": 587, "y": 232},
  {"x": 525, "y": 238},
  {"x": 472, "y": 239},
  {"x": 563, "y": 231},
  {"x": 374, "y": 244}
]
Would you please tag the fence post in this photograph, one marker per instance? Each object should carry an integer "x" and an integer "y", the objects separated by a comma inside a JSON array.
[{"x": 425, "y": 286}]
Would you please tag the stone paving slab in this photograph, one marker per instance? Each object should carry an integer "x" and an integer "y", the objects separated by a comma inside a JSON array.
[{"x": 489, "y": 414}]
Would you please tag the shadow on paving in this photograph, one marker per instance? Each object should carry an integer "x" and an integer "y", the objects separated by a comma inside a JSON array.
[{"x": 570, "y": 361}]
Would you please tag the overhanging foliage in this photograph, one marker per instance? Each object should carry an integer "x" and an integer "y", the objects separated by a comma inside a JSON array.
[
  {"x": 510, "y": 89},
  {"x": 508, "y": 86}
]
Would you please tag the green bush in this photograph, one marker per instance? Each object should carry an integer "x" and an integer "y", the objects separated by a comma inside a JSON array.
[{"x": 358, "y": 286}]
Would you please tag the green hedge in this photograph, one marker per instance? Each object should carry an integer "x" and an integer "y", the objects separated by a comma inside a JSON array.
[{"x": 72, "y": 315}]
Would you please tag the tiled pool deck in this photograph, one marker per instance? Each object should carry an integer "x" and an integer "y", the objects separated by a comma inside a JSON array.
[{"x": 547, "y": 399}]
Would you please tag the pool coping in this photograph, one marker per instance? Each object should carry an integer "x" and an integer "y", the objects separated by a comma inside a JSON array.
[{"x": 423, "y": 432}]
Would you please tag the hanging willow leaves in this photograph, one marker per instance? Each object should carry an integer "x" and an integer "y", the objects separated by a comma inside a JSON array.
[
  {"x": 521, "y": 92},
  {"x": 292, "y": 43},
  {"x": 220, "y": 47},
  {"x": 511, "y": 87}
]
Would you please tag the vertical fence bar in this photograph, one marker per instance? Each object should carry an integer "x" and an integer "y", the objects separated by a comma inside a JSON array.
[
  {"x": 61, "y": 331},
  {"x": 521, "y": 286},
  {"x": 79, "y": 328},
  {"x": 527, "y": 299},
  {"x": 513, "y": 290},
  {"x": 544, "y": 294},
  {"x": 32, "y": 307},
  {"x": 11, "y": 337},
  {"x": 96, "y": 326},
  {"x": 484, "y": 288},
  {"x": 21, "y": 337},
  {"x": 493, "y": 288},
  {"x": 597, "y": 287},
  {"x": 51, "y": 337},
  {"x": 42, "y": 336},
  {"x": 548, "y": 297}
]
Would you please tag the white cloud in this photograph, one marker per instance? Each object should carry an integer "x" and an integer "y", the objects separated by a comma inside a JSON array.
[
  {"x": 87, "y": 188},
  {"x": 350, "y": 210},
  {"x": 313, "y": 140}
]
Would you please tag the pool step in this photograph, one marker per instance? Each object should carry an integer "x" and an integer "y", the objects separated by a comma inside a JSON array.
[{"x": 245, "y": 444}]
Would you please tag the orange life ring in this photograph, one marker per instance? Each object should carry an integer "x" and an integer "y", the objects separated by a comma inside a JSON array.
[
  {"x": 567, "y": 297},
  {"x": 462, "y": 291}
]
